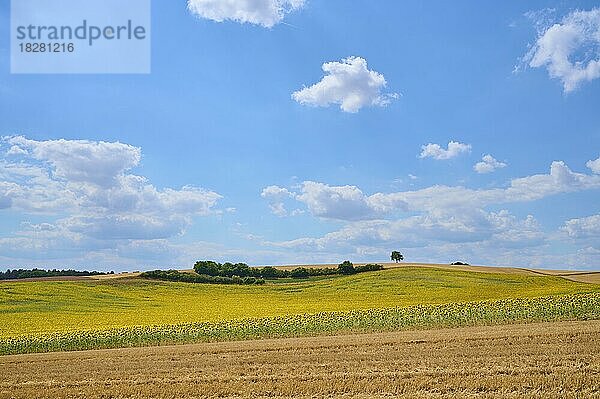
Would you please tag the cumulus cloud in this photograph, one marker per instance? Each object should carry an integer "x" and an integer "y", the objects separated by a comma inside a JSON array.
[
  {"x": 501, "y": 227},
  {"x": 345, "y": 202},
  {"x": 88, "y": 188},
  {"x": 16, "y": 150},
  {"x": 583, "y": 227},
  {"x": 435, "y": 151},
  {"x": 570, "y": 49},
  {"x": 444, "y": 222},
  {"x": 488, "y": 164},
  {"x": 350, "y": 203},
  {"x": 267, "y": 13},
  {"x": 342, "y": 202},
  {"x": 276, "y": 196},
  {"x": 98, "y": 163},
  {"x": 594, "y": 166},
  {"x": 561, "y": 179},
  {"x": 348, "y": 83},
  {"x": 126, "y": 227}
]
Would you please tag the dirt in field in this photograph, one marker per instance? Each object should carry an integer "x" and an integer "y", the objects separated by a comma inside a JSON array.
[
  {"x": 590, "y": 278},
  {"x": 547, "y": 360}
]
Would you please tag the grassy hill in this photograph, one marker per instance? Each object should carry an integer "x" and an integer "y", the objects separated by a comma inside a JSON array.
[{"x": 58, "y": 306}]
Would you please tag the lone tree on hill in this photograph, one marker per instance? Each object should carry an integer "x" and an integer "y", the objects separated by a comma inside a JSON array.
[{"x": 397, "y": 256}]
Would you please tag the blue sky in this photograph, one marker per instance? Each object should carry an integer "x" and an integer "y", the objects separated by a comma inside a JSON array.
[{"x": 239, "y": 146}]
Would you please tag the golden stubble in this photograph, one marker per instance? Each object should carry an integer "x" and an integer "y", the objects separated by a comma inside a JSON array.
[{"x": 544, "y": 360}]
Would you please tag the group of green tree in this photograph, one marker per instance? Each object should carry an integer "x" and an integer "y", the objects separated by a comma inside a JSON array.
[
  {"x": 36, "y": 273},
  {"x": 240, "y": 273},
  {"x": 227, "y": 269},
  {"x": 215, "y": 273},
  {"x": 175, "y": 275}
]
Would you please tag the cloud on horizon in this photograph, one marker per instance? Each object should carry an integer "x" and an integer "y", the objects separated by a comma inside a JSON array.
[{"x": 438, "y": 217}]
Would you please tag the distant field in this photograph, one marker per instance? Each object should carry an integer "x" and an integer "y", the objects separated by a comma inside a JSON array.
[
  {"x": 592, "y": 277},
  {"x": 528, "y": 361},
  {"x": 57, "y": 306}
]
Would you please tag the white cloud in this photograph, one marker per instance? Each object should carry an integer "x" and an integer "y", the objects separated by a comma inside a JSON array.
[
  {"x": 560, "y": 180},
  {"x": 594, "y": 166},
  {"x": 16, "y": 150},
  {"x": 435, "y": 151},
  {"x": 377, "y": 236},
  {"x": 350, "y": 203},
  {"x": 488, "y": 164},
  {"x": 583, "y": 228},
  {"x": 275, "y": 192},
  {"x": 348, "y": 83},
  {"x": 569, "y": 50},
  {"x": 126, "y": 227},
  {"x": 530, "y": 188},
  {"x": 94, "y": 162},
  {"x": 342, "y": 202},
  {"x": 267, "y": 13},
  {"x": 276, "y": 196},
  {"x": 498, "y": 239},
  {"x": 86, "y": 187},
  {"x": 442, "y": 223},
  {"x": 30, "y": 188},
  {"x": 332, "y": 202},
  {"x": 345, "y": 202}
]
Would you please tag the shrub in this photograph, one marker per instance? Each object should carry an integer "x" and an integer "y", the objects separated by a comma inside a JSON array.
[
  {"x": 368, "y": 268},
  {"x": 268, "y": 272},
  {"x": 300, "y": 272},
  {"x": 346, "y": 267},
  {"x": 207, "y": 267},
  {"x": 231, "y": 270},
  {"x": 174, "y": 275},
  {"x": 23, "y": 273}
]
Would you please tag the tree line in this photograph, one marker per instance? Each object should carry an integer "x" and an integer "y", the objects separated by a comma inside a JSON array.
[
  {"x": 227, "y": 269},
  {"x": 212, "y": 272},
  {"x": 36, "y": 273},
  {"x": 175, "y": 275}
]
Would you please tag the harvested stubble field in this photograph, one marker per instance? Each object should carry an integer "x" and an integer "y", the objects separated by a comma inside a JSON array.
[{"x": 545, "y": 360}]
